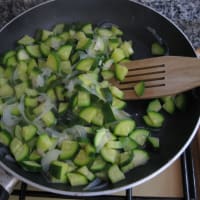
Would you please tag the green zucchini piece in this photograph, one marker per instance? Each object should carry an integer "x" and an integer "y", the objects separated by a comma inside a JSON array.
[
  {"x": 140, "y": 136},
  {"x": 110, "y": 155},
  {"x": 64, "y": 52},
  {"x": 53, "y": 62},
  {"x": 116, "y": 31},
  {"x": 88, "y": 29},
  {"x": 33, "y": 50},
  {"x": 6, "y": 91},
  {"x": 107, "y": 74},
  {"x": 120, "y": 72},
  {"x": 77, "y": 179},
  {"x": 82, "y": 158},
  {"x": 154, "y": 105},
  {"x": 68, "y": 149},
  {"x": 45, "y": 49},
  {"x": 169, "y": 106},
  {"x": 127, "y": 48},
  {"x": 22, "y": 54},
  {"x": 98, "y": 164},
  {"x": 44, "y": 142},
  {"x": 7, "y": 55},
  {"x": 156, "y": 118},
  {"x": 125, "y": 158},
  {"x": 180, "y": 101},
  {"x": 5, "y": 137},
  {"x": 26, "y": 40},
  {"x": 118, "y": 103},
  {"x": 116, "y": 92},
  {"x": 59, "y": 170},
  {"x": 58, "y": 29},
  {"x": 118, "y": 55},
  {"x": 140, "y": 157},
  {"x": 31, "y": 166},
  {"x": 49, "y": 118},
  {"x": 85, "y": 64},
  {"x": 139, "y": 88},
  {"x": 88, "y": 113},
  {"x": 128, "y": 144},
  {"x": 83, "y": 99},
  {"x": 34, "y": 156},
  {"x": 114, "y": 144},
  {"x": 157, "y": 49},
  {"x": 124, "y": 127},
  {"x": 154, "y": 141},
  {"x": 115, "y": 174},
  {"x": 98, "y": 119},
  {"x": 28, "y": 132},
  {"x": 86, "y": 172}
]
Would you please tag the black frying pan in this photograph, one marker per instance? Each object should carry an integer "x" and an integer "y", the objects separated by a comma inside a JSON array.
[{"x": 135, "y": 20}]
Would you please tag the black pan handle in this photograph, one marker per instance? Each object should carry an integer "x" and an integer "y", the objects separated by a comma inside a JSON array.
[{"x": 7, "y": 182}]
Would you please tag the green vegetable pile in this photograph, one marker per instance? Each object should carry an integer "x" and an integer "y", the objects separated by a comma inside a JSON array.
[{"x": 61, "y": 115}]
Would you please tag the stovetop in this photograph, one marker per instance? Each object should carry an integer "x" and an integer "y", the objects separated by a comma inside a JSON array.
[{"x": 178, "y": 181}]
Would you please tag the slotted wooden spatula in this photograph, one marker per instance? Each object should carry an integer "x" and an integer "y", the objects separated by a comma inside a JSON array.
[{"x": 166, "y": 75}]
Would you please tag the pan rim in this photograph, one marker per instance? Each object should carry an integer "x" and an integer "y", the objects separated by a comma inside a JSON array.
[{"x": 125, "y": 187}]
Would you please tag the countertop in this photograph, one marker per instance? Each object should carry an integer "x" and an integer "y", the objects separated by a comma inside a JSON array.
[{"x": 185, "y": 14}]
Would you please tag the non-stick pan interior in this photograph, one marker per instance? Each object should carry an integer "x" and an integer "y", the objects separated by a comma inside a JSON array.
[{"x": 135, "y": 21}]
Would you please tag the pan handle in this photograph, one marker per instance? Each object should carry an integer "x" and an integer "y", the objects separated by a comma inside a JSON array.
[{"x": 7, "y": 182}]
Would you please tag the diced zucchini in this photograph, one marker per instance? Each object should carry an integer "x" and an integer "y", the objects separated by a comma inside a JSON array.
[
  {"x": 34, "y": 156},
  {"x": 98, "y": 119},
  {"x": 26, "y": 40},
  {"x": 20, "y": 89},
  {"x": 101, "y": 135},
  {"x": 180, "y": 101},
  {"x": 125, "y": 158},
  {"x": 139, "y": 136},
  {"x": 31, "y": 166},
  {"x": 169, "y": 106},
  {"x": 98, "y": 164},
  {"x": 118, "y": 103},
  {"x": 53, "y": 62},
  {"x": 18, "y": 149},
  {"x": 30, "y": 102},
  {"x": 156, "y": 118},
  {"x": 59, "y": 170},
  {"x": 58, "y": 29},
  {"x": 5, "y": 137},
  {"x": 68, "y": 149},
  {"x": 128, "y": 144},
  {"x": 124, "y": 127},
  {"x": 7, "y": 55},
  {"x": 44, "y": 34},
  {"x": 115, "y": 174},
  {"x": 104, "y": 32},
  {"x": 83, "y": 99},
  {"x": 82, "y": 158},
  {"x": 86, "y": 172},
  {"x": 88, "y": 113},
  {"x": 127, "y": 48},
  {"x": 140, "y": 157},
  {"x": 64, "y": 52},
  {"x": 28, "y": 132},
  {"x": 139, "y": 88},
  {"x": 154, "y": 105},
  {"x": 22, "y": 54},
  {"x": 77, "y": 179},
  {"x": 118, "y": 55},
  {"x": 6, "y": 91},
  {"x": 116, "y": 31},
  {"x": 116, "y": 92},
  {"x": 62, "y": 107},
  {"x": 107, "y": 74},
  {"x": 44, "y": 143},
  {"x": 110, "y": 155},
  {"x": 157, "y": 49},
  {"x": 114, "y": 144},
  {"x": 85, "y": 64},
  {"x": 45, "y": 49},
  {"x": 83, "y": 43},
  {"x": 154, "y": 141},
  {"x": 87, "y": 29},
  {"x": 120, "y": 72},
  {"x": 49, "y": 118},
  {"x": 33, "y": 50}
]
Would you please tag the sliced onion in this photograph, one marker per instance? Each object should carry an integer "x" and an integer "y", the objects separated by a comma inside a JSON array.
[
  {"x": 105, "y": 139},
  {"x": 120, "y": 114},
  {"x": 48, "y": 158},
  {"x": 77, "y": 131},
  {"x": 39, "y": 81},
  {"x": 95, "y": 184},
  {"x": 7, "y": 118}
]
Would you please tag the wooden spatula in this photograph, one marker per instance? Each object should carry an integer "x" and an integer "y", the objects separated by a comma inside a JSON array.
[{"x": 166, "y": 75}]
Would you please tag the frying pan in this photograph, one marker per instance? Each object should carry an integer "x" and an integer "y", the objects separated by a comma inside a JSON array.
[{"x": 137, "y": 23}]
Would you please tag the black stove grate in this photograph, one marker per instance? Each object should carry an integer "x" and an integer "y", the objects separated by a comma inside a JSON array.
[{"x": 189, "y": 187}]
